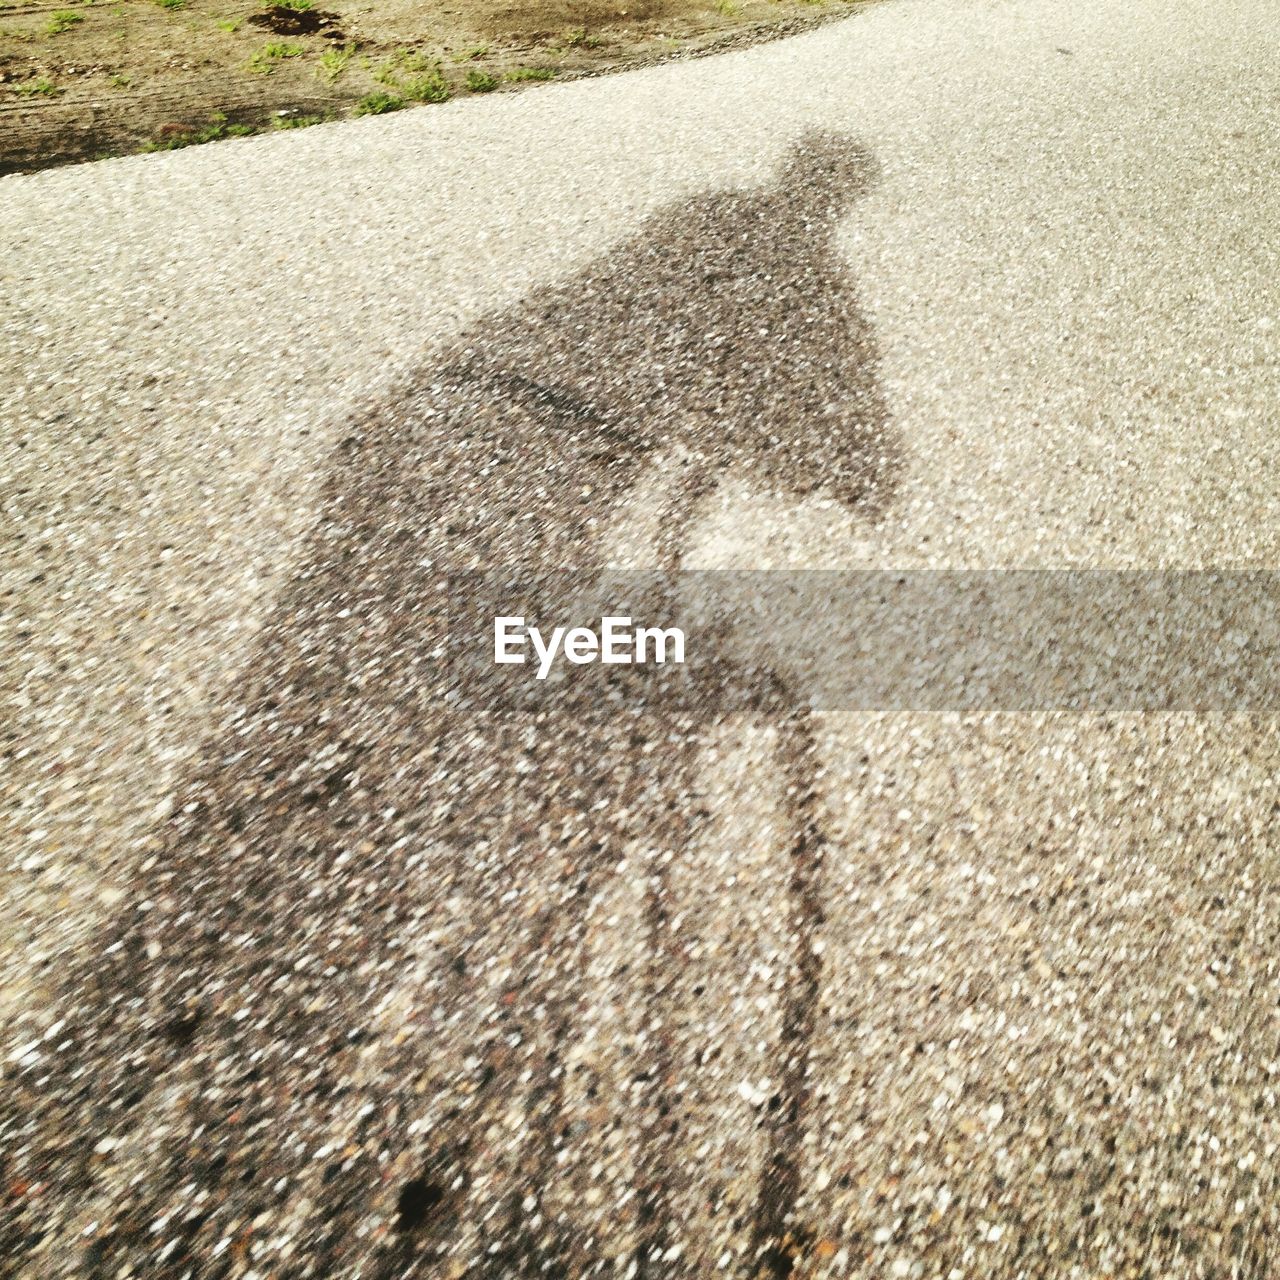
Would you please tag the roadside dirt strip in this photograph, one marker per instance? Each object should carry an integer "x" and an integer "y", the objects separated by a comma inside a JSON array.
[{"x": 94, "y": 80}]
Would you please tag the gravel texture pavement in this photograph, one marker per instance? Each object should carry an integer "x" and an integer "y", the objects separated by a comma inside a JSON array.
[{"x": 323, "y": 957}]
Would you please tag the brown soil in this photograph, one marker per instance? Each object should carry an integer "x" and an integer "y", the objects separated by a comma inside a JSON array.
[{"x": 84, "y": 80}]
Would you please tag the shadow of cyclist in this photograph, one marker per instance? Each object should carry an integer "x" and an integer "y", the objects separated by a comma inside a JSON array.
[{"x": 370, "y": 819}]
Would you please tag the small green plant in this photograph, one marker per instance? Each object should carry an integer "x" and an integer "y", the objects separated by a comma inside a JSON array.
[
  {"x": 481, "y": 82},
  {"x": 573, "y": 38},
  {"x": 378, "y": 103},
  {"x": 532, "y": 73},
  {"x": 42, "y": 86},
  {"x": 333, "y": 62},
  {"x": 298, "y": 6},
  {"x": 120, "y": 80},
  {"x": 728, "y": 7},
  {"x": 229, "y": 25},
  {"x": 171, "y": 4},
  {"x": 265, "y": 60},
  {"x": 63, "y": 20},
  {"x": 472, "y": 53},
  {"x": 216, "y": 128}
]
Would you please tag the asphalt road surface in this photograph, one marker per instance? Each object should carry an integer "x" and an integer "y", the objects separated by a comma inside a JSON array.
[{"x": 325, "y": 954}]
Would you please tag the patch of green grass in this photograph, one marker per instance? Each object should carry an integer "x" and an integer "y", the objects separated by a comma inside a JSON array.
[
  {"x": 576, "y": 36},
  {"x": 42, "y": 86},
  {"x": 430, "y": 87},
  {"x": 298, "y": 6},
  {"x": 121, "y": 81},
  {"x": 472, "y": 53},
  {"x": 297, "y": 122},
  {"x": 532, "y": 73},
  {"x": 378, "y": 103},
  {"x": 171, "y": 4},
  {"x": 265, "y": 60},
  {"x": 216, "y": 128},
  {"x": 229, "y": 24},
  {"x": 333, "y": 62},
  {"x": 413, "y": 76},
  {"x": 402, "y": 60},
  {"x": 728, "y": 7},
  {"x": 63, "y": 20},
  {"x": 481, "y": 82}
]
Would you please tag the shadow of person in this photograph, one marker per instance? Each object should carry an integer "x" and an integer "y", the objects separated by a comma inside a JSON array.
[{"x": 360, "y": 935}]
